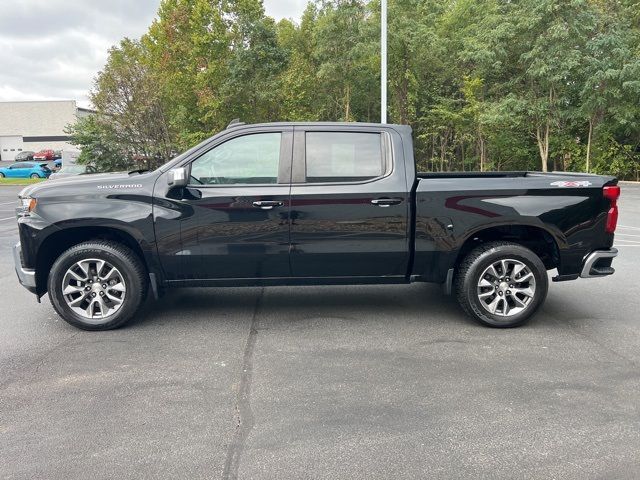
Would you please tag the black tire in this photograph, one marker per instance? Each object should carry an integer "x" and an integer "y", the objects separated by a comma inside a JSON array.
[
  {"x": 1, "y": 175},
  {"x": 35, "y": 175},
  {"x": 128, "y": 264},
  {"x": 474, "y": 265}
]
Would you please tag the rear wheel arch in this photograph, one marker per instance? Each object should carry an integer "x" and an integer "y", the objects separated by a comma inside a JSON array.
[
  {"x": 537, "y": 239},
  {"x": 501, "y": 284}
]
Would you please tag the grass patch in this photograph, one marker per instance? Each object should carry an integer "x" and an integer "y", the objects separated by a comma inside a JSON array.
[{"x": 20, "y": 181}]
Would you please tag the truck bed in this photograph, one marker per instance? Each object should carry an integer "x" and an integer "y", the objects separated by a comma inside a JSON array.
[
  {"x": 566, "y": 210},
  {"x": 472, "y": 174}
]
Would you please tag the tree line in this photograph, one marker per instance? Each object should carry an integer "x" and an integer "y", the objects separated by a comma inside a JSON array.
[{"x": 485, "y": 84}]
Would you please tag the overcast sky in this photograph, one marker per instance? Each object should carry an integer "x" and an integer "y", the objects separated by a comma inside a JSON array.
[{"x": 52, "y": 49}]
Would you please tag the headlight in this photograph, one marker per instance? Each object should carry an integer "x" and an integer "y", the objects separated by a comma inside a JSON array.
[{"x": 27, "y": 205}]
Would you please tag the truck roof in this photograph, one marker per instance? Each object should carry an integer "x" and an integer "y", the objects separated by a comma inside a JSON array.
[{"x": 237, "y": 124}]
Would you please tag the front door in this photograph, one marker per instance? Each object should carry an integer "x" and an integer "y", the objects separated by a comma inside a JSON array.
[
  {"x": 349, "y": 204},
  {"x": 234, "y": 223},
  {"x": 18, "y": 170}
]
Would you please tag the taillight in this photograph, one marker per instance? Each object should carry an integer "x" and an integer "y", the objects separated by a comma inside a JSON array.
[{"x": 612, "y": 194}]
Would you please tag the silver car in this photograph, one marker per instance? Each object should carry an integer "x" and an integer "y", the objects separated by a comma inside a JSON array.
[{"x": 72, "y": 170}]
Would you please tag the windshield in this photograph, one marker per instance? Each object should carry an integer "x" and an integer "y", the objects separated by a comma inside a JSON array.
[{"x": 182, "y": 156}]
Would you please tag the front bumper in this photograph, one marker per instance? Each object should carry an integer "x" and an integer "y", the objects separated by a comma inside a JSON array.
[
  {"x": 26, "y": 276},
  {"x": 598, "y": 264}
]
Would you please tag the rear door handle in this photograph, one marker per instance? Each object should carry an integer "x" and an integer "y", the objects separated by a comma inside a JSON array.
[
  {"x": 386, "y": 202},
  {"x": 268, "y": 205}
]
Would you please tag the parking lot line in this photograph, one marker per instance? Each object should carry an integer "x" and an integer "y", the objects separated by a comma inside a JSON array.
[{"x": 8, "y": 218}]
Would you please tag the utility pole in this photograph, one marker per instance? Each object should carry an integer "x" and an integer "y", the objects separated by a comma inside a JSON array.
[{"x": 383, "y": 35}]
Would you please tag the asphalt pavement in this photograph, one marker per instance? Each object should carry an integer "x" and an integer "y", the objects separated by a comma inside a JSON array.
[{"x": 368, "y": 382}]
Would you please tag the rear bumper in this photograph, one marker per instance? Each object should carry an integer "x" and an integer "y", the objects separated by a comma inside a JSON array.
[
  {"x": 598, "y": 263},
  {"x": 26, "y": 276}
]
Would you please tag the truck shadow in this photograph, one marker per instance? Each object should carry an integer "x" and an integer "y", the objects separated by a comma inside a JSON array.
[{"x": 421, "y": 302}]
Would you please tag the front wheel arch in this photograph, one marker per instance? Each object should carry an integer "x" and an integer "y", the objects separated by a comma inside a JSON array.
[
  {"x": 112, "y": 279},
  {"x": 58, "y": 242}
]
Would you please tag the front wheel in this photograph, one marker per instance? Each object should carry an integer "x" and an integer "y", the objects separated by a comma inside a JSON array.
[
  {"x": 501, "y": 284},
  {"x": 97, "y": 285},
  {"x": 35, "y": 175},
  {"x": 1, "y": 175}
]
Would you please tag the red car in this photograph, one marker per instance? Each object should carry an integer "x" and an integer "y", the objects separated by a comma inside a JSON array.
[{"x": 44, "y": 155}]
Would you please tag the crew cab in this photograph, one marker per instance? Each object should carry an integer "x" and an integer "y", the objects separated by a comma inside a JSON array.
[{"x": 311, "y": 204}]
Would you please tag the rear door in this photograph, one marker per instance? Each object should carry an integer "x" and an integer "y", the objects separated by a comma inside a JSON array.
[
  {"x": 349, "y": 203},
  {"x": 235, "y": 210}
]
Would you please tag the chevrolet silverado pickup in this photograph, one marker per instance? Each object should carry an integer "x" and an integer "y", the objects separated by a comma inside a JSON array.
[{"x": 311, "y": 204}]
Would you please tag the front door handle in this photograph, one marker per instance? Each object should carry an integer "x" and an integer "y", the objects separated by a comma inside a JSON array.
[
  {"x": 386, "y": 202},
  {"x": 268, "y": 205}
]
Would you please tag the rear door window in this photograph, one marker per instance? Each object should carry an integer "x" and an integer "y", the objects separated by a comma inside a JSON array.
[{"x": 344, "y": 157}]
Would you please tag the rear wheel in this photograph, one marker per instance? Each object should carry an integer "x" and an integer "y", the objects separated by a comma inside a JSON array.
[
  {"x": 501, "y": 284},
  {"x": 97, "y": 285},
  {"x": 35, "y": 175}
]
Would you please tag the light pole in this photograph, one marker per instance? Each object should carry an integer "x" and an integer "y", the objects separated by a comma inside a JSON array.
[{"x": 383, "y": 67}]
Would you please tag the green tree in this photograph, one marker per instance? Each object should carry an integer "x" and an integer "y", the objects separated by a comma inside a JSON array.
[
  {"x": 610, "y": 87},
  {"x": 485, "y": 84},
  {"x": 346, "y": 65},
  {"x": 130, "y": 123}
]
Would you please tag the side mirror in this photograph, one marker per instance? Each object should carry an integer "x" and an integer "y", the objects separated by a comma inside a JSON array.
[{"x": 178, "y": 177}]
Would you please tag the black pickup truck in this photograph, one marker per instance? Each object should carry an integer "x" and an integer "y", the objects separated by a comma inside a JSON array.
[{"x": 311, "y": 204}]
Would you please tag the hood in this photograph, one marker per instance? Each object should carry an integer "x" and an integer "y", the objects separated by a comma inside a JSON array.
[{"x": 105, "y": 181}]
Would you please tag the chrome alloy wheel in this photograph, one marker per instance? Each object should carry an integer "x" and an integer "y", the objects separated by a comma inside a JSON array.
[
  {"x": 506, "y": 288},
  {"x": 94, "y": 289}
]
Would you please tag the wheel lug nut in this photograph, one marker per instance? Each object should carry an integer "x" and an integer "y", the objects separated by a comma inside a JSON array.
[
  {"x": 510, "y": 286},
  {"x": 508, "y": 292},
  {"x": 102, "y": 294},
  {"x": 93, "y": 294},
  {"x": 104, "y": 285}
]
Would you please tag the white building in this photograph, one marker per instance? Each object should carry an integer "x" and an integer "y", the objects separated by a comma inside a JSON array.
[{"x": 36, "y": 125}]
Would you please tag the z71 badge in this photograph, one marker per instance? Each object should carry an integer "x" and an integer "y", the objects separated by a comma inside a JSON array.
[{"x": 571, "y": 184}]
